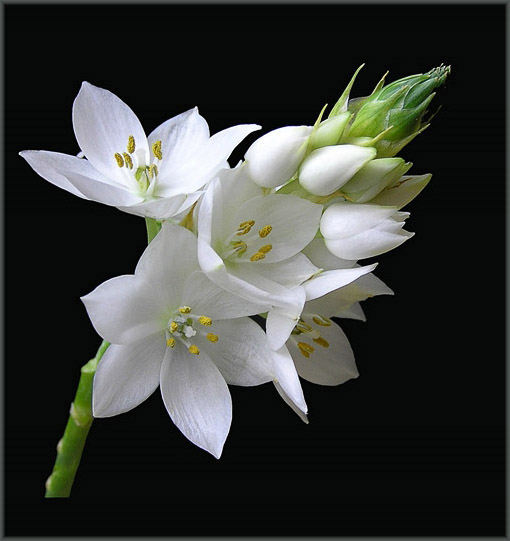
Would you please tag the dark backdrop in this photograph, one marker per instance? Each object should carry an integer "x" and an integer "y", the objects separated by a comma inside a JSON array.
[{"x": 415, "y": 445}]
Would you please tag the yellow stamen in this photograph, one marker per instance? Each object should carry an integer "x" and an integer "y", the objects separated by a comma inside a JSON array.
[
  {"x": 194, "y": 350},
  {"x": 212, "y": 337},
  {"x": 184, "y": 309},
  {"x": 305, "y": 349},
  {"x": 245, "y": 227},
  {"x": 128, "y": 160},
  {"x": 153, "y": 170},
  {"x": 204, "y": 320},
  {"x": 120, "y": 161},
  {"x": 257, "y": 256},
  {"x": 170, "y": 342},
  {"x": 173, "y": 326},
  {"x": 131, "y": 144},
  {"x": 156, "y": 150},
  {"x": 321, "y": 320},
  {"x": 322, "y": 342},
  {"x": 303, "y": 327},
  {"x": 265, "y": 249},
  {"x": 264, "y": 232}
]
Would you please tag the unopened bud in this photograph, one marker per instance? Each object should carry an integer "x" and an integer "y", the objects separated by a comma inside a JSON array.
[
  {"x": 327, "y": 169},
  {"x": 273, "y": 159},
  {"x": 400, "y": 105},
  {"x": 374, "y": 177}
]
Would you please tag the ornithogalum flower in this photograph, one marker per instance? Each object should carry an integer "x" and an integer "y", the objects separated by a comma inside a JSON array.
[
  {"x": 156, "y": 176},
  {"x": 171, "y": 327},
  {"x": 317, "y": 348},
  {"x": 250, "y": 244}
]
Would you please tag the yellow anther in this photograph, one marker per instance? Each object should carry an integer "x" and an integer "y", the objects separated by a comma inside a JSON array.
[
  {"x": 131, "y": 144},
  {"x": 153, "y": 170},
  {"x": 194, "y": 350},
  {"x": 204, "y": 320},
  {"x": 264, "y": 232},
  {"x": 257, "y": 256},
  {"x": 303, "y": 327},
  {"x": 321, "y": 320},
  {"x": 212, "y": 337},
  {"x": 173, "y": 326},
  {"x": 170, "y": 342},
  {"x": 156, "y": 150},
  {"x": 305, "y": 349},
  {"x": 184, "y": 309},
  {"x": 239, "y": 246},
  {"x": 321, "y": 341},
  {"x": 265, "y": 249},
  {"x": 128, "y": 160},
  {"x": 245, "y": 227},
  {"x": 120, "y": 161}
]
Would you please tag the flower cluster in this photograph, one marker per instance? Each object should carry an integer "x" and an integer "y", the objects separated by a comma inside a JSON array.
[{"x": 280, "y": 235}]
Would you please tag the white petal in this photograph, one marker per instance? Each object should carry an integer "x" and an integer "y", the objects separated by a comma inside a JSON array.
[
  {"x": 103, "y": 192},
  {"x": 341, "y": 301},
  {"x": 343, "y": 220},
  {"x": 330, "y": 365},
  {"x": 102, "y": 125},
  {"x": 52, "y": 166},
  {"x": 159, "y": 209},
  {"x": 330, "y": 280},
  {"x": 279, "y": 325},
  {"x": 370, "y": 243},
  {"x": 127, "y": 375},
  {"x": 294, "y": 223},
  {"x": 126, "y": 309},
  {"x": 290, "y": 272},
  {"x": 187, "y": 177},
  {"x": 241, "y": 353},
  {"x": 327, "y": 169},
  {"x": 287, "y": 382},
  {"x": 206, "y": 298},
  {"x": 196, "y": 398},
  {"x": 168, "y": 261},
  {"x": 180, "y": 137},
  {"x": 319, "y": 255},
  {"x": 274, "y": 158}
]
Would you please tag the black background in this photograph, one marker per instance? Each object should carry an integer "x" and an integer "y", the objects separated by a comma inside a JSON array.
[{"x": 415, "y": 445}]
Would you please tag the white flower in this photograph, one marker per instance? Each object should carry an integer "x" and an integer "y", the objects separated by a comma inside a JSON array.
[
  {"x": 250, "y": 244},
  {"x": 327, "y": 169},
  {"x": 275, "y": 157},
  {"x": 155, "y": 177},
  {"x": 317, "y": 349},
  {"x": 357, "y": 231},
  {"x": 170, "y": 326}
]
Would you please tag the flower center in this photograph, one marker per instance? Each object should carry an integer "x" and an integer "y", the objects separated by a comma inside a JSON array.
[
  {"x": 247, "y": 243},
  {"x": 141, "y": 173},
  {"x": 306, "y": 331},
  {"x": 183, "y": 325}
]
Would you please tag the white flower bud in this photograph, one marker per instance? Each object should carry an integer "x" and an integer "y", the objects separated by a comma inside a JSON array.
[
  {"x": 352, "y": 231},
  {"x": 327, "y": 169},
  {"x": 329, "y": 131},
  {"x": 275, "y": 157}
]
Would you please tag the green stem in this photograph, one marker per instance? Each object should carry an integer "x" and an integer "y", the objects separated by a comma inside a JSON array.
[{"x": 70, "y": 447}]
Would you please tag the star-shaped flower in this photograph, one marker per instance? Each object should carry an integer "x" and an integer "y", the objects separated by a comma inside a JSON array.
[
  {"x": 157, "y": 176},
  {"x": 171, "y": 327}
]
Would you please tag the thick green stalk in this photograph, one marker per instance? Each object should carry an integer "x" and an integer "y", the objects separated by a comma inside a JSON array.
[
  {"x": 70, "y": 447},
  {"x": 153, "y": 227}
]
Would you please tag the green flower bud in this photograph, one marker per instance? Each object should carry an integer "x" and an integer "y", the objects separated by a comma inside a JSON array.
[{"x": 397, "y": 108}]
